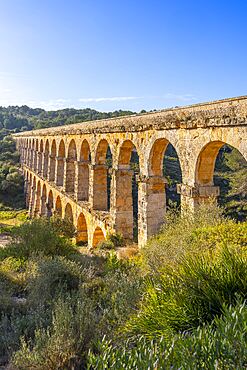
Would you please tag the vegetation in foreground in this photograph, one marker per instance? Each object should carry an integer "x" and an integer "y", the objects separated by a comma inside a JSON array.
[
  {"x": 180, "y": 304},
  {"x": 11, "y": 179}
]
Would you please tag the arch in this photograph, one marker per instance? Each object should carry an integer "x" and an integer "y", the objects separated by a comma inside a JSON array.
[
  {"x": 164, "y": 172},
  {"x": 68, "y": 213},
  {"x": 156, "y": 156},
  {"x": 41, "y": 145},
  {"x": 58, "y": 206},
  {"x": 125, "y": 152},
  {"x": 50, "y": 204},
  {"x": 32, "y": 195},
  {"x": 46, "y": 159},
  {"x": 29, "y": 190},
  {"x": 206, "y": 162},
  {"x": 32, "y": 154},
  {"x": 126, "y": 189},
  {"x": 85, "y": 151},
  {"x": 43, "y": 201},
  {"x": 82, "y": 235},
  {"x": 52, "y": 165},
  {"x": 164, "y": 161},
  {"x": 70, "y": 168},
  {"x": 40, "y": 156},
  {"x": 60, "y": 164},
  {"x": 218, "y": 168},
  {"x": 82, "y": 186},
  {"x": 102, "y": 179},
  {"x": 101, "y": 151},
  {"x": 61, "y": 149},
  {"x": 37, "y": 201},
  {"x": 29, "y": 153},
  {"x": 35, "y": 159},
  {"x": 98, "y": 236},
  {"x": 72, "y": 154}
]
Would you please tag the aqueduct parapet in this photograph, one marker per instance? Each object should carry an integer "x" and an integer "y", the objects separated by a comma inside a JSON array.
[{"x": 66, "y": 168}]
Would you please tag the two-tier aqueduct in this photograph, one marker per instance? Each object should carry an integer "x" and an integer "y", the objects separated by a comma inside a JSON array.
[{"x": 65, "y": 167}]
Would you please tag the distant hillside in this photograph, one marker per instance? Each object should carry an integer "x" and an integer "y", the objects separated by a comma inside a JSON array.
[{"x": 14, "y": 118}]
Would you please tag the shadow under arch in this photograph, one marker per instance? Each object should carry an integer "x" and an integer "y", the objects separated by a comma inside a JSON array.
[
  {"x": 70, "y": 168},
  {"x": 68, "y": 213},
  {"x": 37, "y": 201},
  {"x": 102, "y": 177},
  {"x": 98, "y": 236},
  {"x": 46, "y": 159},
  {"x": 43, "y": 211},
  {"x": 29, "y": 190},
  {"x": 58, "y": 207},
  {"x": 127, "y": 191},
  {"x": 32, "y": 194},
  {"x": 60, "y": 164},
  {"x": 50, "y": 204},
  {"x": 83, "y": 172},
  {"x": 82, "y": 234},
  {"x": 35, "y": 161},
  {"x": 32, "y": 153},
  {"x": 52, "y": 166},
  {"x": 40, "y": 156}
]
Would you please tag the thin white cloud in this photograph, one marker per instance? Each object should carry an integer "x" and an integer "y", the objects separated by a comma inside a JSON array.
[
  {"x": 5, "y": 91},
  {"x": 6, "y": 99},
  {"x": 109, "y": 99},
  {"x": 52, "y": 104}
]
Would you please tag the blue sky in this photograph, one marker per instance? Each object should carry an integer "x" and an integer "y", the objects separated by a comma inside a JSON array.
[{"x": 121, "y": 54}]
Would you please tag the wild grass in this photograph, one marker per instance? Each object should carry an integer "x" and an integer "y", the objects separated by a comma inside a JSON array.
[
  {"x": 220, "y": 345},
  {"x": 191, "y": 293},
  {"x": 179, "y": 304},
  {"x": 178, "y": 236}
]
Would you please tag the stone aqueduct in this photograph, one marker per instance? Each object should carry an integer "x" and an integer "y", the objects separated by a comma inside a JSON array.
[{"x": 65, "y": 167}]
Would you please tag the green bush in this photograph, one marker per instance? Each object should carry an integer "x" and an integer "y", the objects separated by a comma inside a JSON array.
[
  {"x": 20, "y": 321},
  {"x": 175, "y": 237},
  {"x": 63, "y": 226},
  {"x": 112, "y": 241},
  {"x": 65, "y": 343},
  {"x": 35, "y": 237},
  {"x": 192, "y": 292},
  {"x": 53, "y": 276},
  {"x": 114, "y": 290},
  {"x": 221, "y": 345},
  {"x": 225, "y": 234}
]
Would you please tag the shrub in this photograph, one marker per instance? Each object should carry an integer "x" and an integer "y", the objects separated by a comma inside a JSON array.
[
  {"x": 64, "y": 344},
  {"x": 18, "y": 322},
  {"x": 35, "y": 237},
  {"x": 117, "y": 240},
  {"x": 63, "y": 226},
  {"x": 225, "y": 234},
  {"x": 175, "y": 237},
  {"x": 192, "y": 292},
  {"x": 112, "y": 241},
  {"x": 221, "y": 345},
  {"x": 115, "y": 293},
  {"x": 11, "y": 283},
  {"x": 54, "y": 276}
]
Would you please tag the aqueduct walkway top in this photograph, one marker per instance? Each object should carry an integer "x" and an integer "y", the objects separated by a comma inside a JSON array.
[{"x": 65, "y": 167}]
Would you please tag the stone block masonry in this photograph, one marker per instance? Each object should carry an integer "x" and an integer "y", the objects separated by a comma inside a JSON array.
[{"x": 66, "y": 170}]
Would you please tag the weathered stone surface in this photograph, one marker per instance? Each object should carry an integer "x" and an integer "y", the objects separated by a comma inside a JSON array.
[{"x": 70, "y": 163}]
